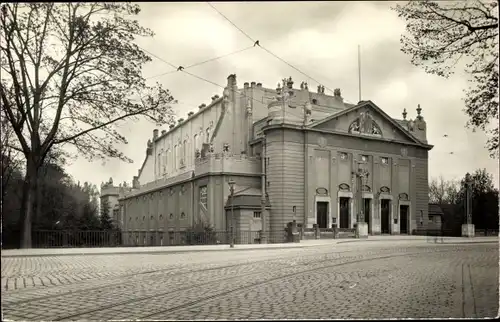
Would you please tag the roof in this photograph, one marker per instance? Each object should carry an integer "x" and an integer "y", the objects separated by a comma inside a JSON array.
[
  {"x": 376, "y": 108},
  {"x": 435, "y": 209}
]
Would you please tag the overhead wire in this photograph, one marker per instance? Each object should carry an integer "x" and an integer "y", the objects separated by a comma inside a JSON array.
[
  {"x": 213, "y": 83},
  {"x": 257, "y": 42},
  {"x": 201, "y": 63}
]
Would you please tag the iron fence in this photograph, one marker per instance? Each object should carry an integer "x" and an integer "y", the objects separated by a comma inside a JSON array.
[
  {"x": 88, "y": 238},
  {"x": 486, "y": 232}
]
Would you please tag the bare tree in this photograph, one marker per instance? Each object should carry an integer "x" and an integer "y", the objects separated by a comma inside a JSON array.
[
  {"x": 442, "y": 34},
  {"x": 71, "y": 74},
  {"x": 442, "y": 191},
  {"x": 10, "y": 157}
]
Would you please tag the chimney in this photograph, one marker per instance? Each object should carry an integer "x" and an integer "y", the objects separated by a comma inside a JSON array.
[
  {"x": 337, "y": 95},
  {"x": 245, "y": 85},
  {"x": 155, "y": 134},
  {"x": 190, "y": 114},
  {"x": 135, "y": 182},
  {"x": 259, "y": 85},
  {"x": 231, "y": 80},
  {"x": 252, "y": 84},
  {"x": 163, "y": 132}
]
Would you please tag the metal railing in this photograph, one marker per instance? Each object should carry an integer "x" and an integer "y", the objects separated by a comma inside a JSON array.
[{"x": 91, "y": 239}]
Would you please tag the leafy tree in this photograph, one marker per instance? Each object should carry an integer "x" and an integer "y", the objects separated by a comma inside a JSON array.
[
  {"x": 105, "y": 218},
  {"x": 442, "y": 34},
  {"x": 202, "y": 232},
  {"x": 71, "y": 74},
  {"x": 484, "y": 200}
]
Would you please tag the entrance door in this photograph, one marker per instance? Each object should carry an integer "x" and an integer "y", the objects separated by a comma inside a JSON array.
[
  {"x": 403, "y": 219},
  {"x": 385, "y": 205},
  {"x": 344, "y": 212},
  {"x": 322, "y": 214},
  {"x": 367, "y": 213}
]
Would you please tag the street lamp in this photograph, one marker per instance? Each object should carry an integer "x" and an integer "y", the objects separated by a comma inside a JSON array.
[
  {"x": 231, "y": 189},
  {"x": 468, "y": 197},
  {"x": 360, "y": 175}
]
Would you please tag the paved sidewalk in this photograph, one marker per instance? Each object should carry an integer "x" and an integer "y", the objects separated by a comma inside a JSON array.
[{"x": 204, "y": 248}]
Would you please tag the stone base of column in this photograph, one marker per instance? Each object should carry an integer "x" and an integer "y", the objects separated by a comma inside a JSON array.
[
  {"x": 361, "y": 230},
  {"x": 468, "y": 230}
]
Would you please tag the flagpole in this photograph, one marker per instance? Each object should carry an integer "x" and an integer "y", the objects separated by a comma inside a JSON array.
[{"x": 359, "y": 73}]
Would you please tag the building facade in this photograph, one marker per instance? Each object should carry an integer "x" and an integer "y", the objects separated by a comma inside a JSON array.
[{"x": 290, "y": 154}]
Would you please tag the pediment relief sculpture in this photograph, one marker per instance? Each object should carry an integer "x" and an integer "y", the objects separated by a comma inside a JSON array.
[{"x": 365, "y": 125}]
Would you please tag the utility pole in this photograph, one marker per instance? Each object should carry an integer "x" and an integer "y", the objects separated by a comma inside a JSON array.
[
  {"x": 359, "y": 72},
  {"x": 231, "y": 189}
]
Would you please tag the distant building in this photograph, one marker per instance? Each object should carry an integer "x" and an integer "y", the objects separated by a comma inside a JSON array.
[
  {"x": 435, "y": 217},
  {"x": 293, "y": 154},
  {"x": 110, "y": 195}
]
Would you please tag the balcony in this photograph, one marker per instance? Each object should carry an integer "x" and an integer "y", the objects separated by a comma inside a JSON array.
[{"x": 228, "y": 163}]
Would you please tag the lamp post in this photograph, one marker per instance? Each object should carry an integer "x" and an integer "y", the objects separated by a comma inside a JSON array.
[
  {"x": 468, "y": 197},
  {"x": 360, "y": 175},
  {"x": 231, "y": 189}
]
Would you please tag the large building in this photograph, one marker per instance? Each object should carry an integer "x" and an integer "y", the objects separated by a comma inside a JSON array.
[{"x": 291, "y": 154}]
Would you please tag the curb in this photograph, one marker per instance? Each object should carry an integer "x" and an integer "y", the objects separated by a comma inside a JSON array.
[{"x": 163, "y": 252}]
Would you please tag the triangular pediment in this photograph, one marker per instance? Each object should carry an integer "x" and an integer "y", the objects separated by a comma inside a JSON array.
[{"x": 366, "y": 120}]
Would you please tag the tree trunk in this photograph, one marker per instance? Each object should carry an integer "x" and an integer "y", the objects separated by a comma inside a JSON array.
[{"x": 29, "y": 193}]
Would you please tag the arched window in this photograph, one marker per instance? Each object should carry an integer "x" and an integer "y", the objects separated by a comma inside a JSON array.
[
  {"x": 174, "y": 161},
  {"x": 165, "y": 166},
  {"x": 184, "y": 151},
  {"x": 158, "y": 163}
]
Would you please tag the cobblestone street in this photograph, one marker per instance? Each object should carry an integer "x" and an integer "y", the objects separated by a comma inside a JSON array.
[{"x": 352, "y": 280}]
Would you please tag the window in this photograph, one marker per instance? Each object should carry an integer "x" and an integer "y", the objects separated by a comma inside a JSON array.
[
  {"x": 171, "y": 216},
  {"x": 152, "y": 218},
  {"x": 165, "y": 163},
  {"x": 143, "y": 218},
  {"x": 343, "y": 156},
  {"x": 256, "y": 214},
  {"x": 183, "y": 215},
  {"x": 159, "y": 163},
  {"x": 161, "y": 217},
  {"x": 384, "y": 160},
  {"x": 175, "y": 157},
  {"x": 184, "y": 152},
  {"x": 204, "y": 196},
  {"x": 364, "y": 158},
  {"x": 208, "y": 135},
  {"x": 315, "y": 101}
]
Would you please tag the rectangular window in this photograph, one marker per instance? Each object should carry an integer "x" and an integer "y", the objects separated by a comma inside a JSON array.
[
  {"x": 384, "y": 160},
  {"x": 256, "y": 214},
  {"x": 364, "y": 158},
  {"x": 343, "y": 156},
  {"x": 204, "y": 196}
]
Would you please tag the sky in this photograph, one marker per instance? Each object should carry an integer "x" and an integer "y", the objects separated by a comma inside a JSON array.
[{"x": 319, "y": 38}]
